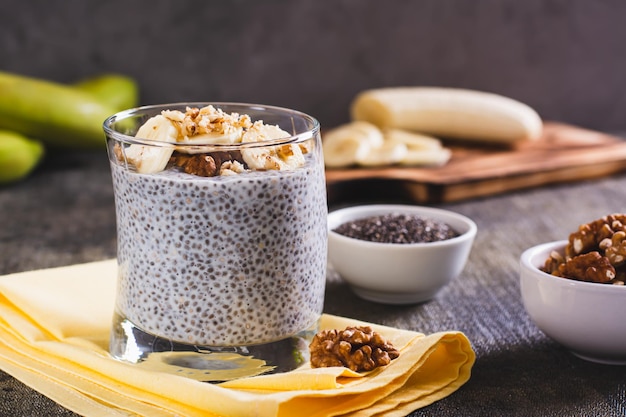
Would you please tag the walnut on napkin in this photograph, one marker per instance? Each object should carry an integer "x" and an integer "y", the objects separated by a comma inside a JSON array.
[{"x": 357, "y": 348}]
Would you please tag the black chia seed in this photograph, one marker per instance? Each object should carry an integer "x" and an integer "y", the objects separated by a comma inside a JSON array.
[{"x": 397, "y": 228}]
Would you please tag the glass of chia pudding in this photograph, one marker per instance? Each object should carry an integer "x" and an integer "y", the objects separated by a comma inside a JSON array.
[{"x": 221, "y": 237}]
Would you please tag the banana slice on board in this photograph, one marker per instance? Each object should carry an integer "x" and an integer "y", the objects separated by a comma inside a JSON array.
[
  {"x": 427, "y": 157},
  {"x": 422, "y": 150},
  {"x": 389, "y": 153},
  {"x": 350, "y": 143},
  {"x": 362, "y": 143},
  {"x": 151, "y": 159},
  {"x": 413, "y": 140},
  {"x": 449, "y": 112}
]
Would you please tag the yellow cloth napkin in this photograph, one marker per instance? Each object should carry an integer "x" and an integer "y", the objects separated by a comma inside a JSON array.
[{"x": 54, "y": 330}]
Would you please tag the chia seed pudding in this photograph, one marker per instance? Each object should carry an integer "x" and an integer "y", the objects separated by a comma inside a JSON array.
[{"x": 227, "y": 260}]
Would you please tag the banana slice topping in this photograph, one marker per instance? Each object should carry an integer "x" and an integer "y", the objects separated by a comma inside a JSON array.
[
  {"x": 198, "y": 130},
  {"x": 148, "y": 159},
  {"x": 270, "y": 157}
]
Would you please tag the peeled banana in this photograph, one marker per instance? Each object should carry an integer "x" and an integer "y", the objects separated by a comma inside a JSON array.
[
  {"x": 448, "y": 113},
  {"x": 59, "y": 115},
  {"x": 18, "y": 156}
]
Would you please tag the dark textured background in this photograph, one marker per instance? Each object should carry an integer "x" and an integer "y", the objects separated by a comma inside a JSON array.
[{"x": 566, "y": 58}]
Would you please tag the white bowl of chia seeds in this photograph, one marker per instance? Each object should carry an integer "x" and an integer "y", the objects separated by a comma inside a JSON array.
[{"x": 398, "y": 254}]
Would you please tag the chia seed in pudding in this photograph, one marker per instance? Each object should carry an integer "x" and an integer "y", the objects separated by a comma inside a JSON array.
[{"x": 225, "y": 260}]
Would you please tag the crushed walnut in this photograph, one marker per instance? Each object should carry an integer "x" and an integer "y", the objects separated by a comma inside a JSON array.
[
  {"x": 197, "y": 121},
  {"x": 591, "y": 267},
  {"x": 207, "y": 164},
  {"x": 596, "y": 252},
  {"x": 357, "y": 348}
]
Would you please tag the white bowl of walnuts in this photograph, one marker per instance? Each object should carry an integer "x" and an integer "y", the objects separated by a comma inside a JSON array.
[{"x": 574, "y": 291}]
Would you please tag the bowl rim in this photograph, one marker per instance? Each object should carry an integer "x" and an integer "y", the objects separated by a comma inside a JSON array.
[
  {"x": 530, "y": 254},
  {"x": 367, "y": 210}
]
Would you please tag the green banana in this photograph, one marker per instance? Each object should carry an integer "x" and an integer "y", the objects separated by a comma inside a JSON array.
[
  {"x": 18, "y": 156},
  {"x": 56, "y": 114},
  {"x": 118, "y": 91}
]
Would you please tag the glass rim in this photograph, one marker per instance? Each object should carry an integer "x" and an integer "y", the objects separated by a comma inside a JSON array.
[{"x": 151, "y": 110}]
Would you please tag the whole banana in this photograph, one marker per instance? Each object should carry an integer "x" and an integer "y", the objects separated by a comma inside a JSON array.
[
  {"x": 58, "y": 115},
  {"x": 18, "y": 156},
  {"x": 118, "y": 91}
]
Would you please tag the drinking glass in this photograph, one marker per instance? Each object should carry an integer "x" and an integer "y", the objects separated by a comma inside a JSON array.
[{"x": 219, "y": 277}]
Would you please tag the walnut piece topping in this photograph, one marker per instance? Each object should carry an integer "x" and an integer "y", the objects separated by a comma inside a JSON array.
[
  {"x": 208, "y": 119},
  {"x": 357, "y": 348},
  {"x": 209, "y": 164},
  {"x": 596, "y": 252},
  {"x": 232, "y": 168}
]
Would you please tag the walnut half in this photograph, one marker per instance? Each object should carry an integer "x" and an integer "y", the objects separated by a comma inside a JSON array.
[
  {"x": 591, "y": 267},
  {"x": 357, "y": 348},
  {"x": 204, "y": 165}
]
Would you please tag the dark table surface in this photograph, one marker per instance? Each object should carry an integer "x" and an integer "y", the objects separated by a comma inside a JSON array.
[{"x": 64, "y": 214}]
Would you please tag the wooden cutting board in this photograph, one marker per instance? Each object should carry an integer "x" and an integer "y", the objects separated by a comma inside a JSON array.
[{"x": 564, "y": 153}]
